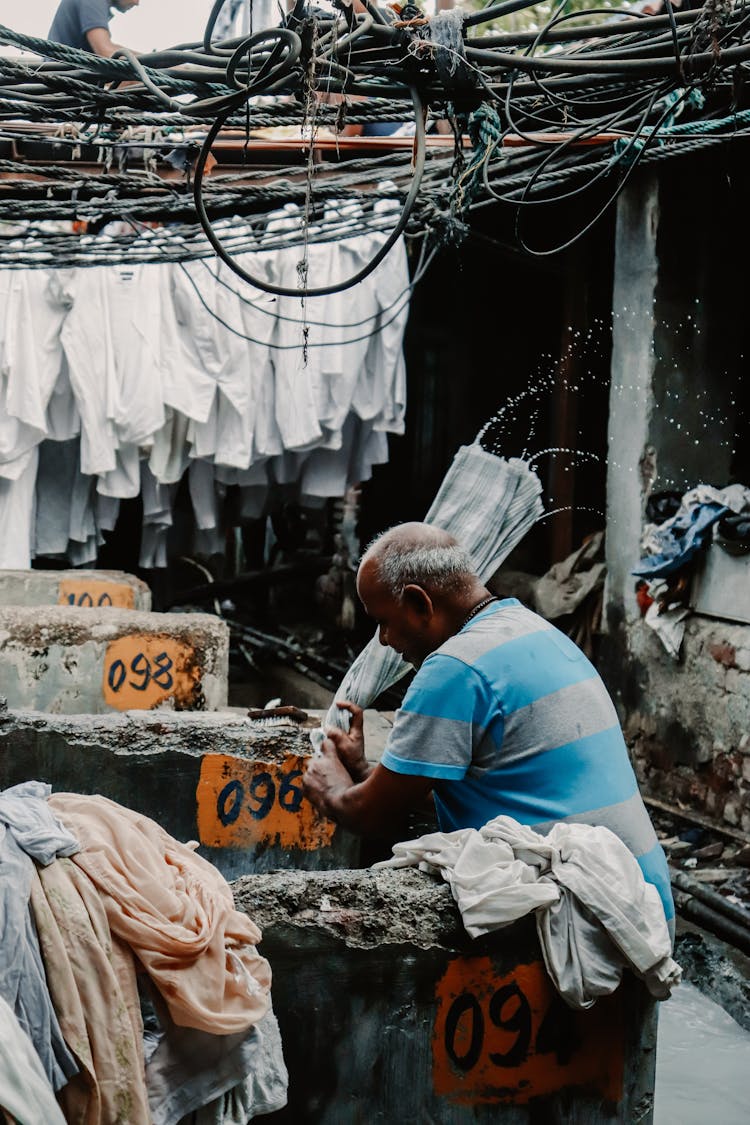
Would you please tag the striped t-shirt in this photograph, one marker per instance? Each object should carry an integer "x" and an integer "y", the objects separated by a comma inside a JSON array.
[{"x": 510, "y": 718}]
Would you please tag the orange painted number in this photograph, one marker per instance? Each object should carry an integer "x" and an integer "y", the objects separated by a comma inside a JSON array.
[
  {"x": 95, "y": 593},
  {"x": 513, "y": 1038},
  {"x": 142, "y": 670},
  {"x": 242, "y": 804}
]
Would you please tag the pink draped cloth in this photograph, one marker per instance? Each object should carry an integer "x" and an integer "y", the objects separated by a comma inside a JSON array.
[
  {"x": 92, "y": 982},
  {"x": 176, "y": 913}
]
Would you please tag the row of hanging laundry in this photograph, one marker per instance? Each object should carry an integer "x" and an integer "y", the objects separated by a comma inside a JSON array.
[
  {"x": 118, "y": 380},
  {"x": 131, "y": 989}
]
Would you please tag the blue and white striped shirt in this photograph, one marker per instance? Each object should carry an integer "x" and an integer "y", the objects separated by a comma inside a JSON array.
[{"x": 510, "y": 718}]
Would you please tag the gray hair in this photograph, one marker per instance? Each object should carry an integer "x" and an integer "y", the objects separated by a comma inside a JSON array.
[{"x": 442, "y": 566}]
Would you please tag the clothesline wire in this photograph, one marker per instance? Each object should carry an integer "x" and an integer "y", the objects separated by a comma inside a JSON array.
[
  {"x": 613, "y": 64},
  {"x": 418, "y": 274},
  {"x": 403, "y": 298}
]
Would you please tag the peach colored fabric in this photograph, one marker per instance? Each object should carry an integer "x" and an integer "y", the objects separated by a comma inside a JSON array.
[
  {"x": 176, "y": 913},
  {"x": 92, "y": 983}
]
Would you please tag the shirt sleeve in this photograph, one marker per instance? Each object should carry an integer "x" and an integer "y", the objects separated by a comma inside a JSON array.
[
  {"x": 446, "y": 711},
  {"x": 92, "y": 14}
]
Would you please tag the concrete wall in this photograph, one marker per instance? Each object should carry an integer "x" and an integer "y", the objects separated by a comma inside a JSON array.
[
  {"x": 72, "y": 660},
  {"x": 389, "y": 1013},
  {"x": 676, "y": 364},
  {"x": 91, "y": 588},
  {"x": 218, "y": 778},
  {"x": 688, "y": 724}
]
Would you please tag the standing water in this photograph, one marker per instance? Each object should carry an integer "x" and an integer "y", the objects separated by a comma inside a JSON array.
[{"x": 702, "y": 1063}]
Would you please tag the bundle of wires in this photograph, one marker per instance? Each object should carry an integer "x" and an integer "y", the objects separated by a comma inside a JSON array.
[{"x": 569, "y": 108}]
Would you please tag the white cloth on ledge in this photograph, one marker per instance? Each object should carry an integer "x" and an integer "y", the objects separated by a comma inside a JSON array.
[{"x": 595, "y": 913}]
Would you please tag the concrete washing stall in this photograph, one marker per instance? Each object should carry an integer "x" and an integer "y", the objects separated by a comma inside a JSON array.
[
  {"x": 389, "y": 1013},
  {"x": 215, "y": 777},
  {"x": 93, "y": 589},
  {"x": 75, "y": 660}
]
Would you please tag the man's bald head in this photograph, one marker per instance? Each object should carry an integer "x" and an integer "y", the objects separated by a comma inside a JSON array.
[{"x": 419, "y": 554}]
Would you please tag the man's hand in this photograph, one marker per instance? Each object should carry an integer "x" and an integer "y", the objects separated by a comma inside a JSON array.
[
  {"x": 350, "y": 746},
  {"x": 377, "y": 806},
  {"x": 326, "y": 779}
]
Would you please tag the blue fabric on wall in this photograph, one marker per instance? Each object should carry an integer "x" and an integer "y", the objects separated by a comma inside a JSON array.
[{"x": 680, "y": 539}]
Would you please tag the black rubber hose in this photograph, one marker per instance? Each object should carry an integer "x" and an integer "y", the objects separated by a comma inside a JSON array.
[
  {"x": 711, "y": 898},
  {"x": 252, "y": 580},
  {"x": 717, "y": 924},
  {"x": 325, "y": 290},
  {"x": 653, "y": 68},
  {"x": 642, "y": 24}
]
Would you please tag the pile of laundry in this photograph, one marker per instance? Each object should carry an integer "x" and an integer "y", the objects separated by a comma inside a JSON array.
[
  {"x": 595, "y": 914},
  {"x": 117, "y": 381},
  {"x": 131, "y": 990},
  {"x": 680, "y": 528}
]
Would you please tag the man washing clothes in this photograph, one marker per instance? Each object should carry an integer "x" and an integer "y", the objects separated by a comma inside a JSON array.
[
  {"x": 505, "y": 715},
  {"x": 85, "y": 24}
]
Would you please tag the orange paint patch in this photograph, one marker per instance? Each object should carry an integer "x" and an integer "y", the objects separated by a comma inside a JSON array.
[
  {"x": 96, "y": 593},
  {"x": 144, "y": 669},
  {"x": 242, "y": 804},
  {"x": 512, "y": 1038}
]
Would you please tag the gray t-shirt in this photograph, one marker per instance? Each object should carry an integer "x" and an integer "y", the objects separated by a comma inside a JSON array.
[{"x": 74, "y": 18}]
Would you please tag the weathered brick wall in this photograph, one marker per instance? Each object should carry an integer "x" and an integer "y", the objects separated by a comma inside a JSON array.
[{"x": 688, "y": 722}]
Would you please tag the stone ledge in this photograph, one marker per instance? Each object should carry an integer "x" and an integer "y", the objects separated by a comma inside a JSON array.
[
  {"x": 78, "y": 660},
  {"x": 389, "y": 1012},
  {"x": 89, "y": 588},
  {"x": 215, "y": 777}
]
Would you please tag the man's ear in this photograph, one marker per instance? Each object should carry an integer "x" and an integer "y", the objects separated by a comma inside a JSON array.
[{"x": 418, "y": 601}]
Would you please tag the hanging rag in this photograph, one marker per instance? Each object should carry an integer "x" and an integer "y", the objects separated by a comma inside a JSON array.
[
  {"x": 595, "y": 913},
  {"x": 568, "y": 583},
  {"x": 488, "y": 503}
]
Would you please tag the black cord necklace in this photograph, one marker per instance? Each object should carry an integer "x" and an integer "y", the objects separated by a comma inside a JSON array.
[{"x": 478, "y": 608}]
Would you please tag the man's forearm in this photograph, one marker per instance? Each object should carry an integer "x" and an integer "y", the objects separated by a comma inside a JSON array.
[
  {"x": 361, "y": 771},
  {"x": 348, "y": 806},
  {"x": 375, "y": 806}
]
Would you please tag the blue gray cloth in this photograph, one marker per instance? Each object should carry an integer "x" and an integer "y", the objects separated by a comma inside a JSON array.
[
  {"x": 74, "y": 18},
  {"x": 679, "y": 539},
  {"x": 667, "y": 546},
  {"x": 195, "y": 1078},
  {"x": 28, "y": 830}
]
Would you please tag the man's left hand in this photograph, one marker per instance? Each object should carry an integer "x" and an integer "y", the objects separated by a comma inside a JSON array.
[{"x": 325, "y": 778}]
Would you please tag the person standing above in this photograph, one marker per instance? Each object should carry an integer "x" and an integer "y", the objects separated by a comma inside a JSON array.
[
  {"x": 85, "y": 24},
  {"x": 505, "y": 716}
]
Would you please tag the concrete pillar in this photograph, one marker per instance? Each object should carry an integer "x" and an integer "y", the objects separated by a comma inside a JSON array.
[
  {"x": 216, "y": 777},
  {"x": 631, "y": 457},
  {"x": 677, "y": 359},
  {"x": 89, "y": 588},
  {"x": 389, "y": 1013},
  {"x": 74, "y": 660}
]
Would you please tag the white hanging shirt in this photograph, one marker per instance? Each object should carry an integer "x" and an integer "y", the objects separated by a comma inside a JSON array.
[
  {"x": 17, "y": 515},
  {"x": 296, "y": 375},
  {"x": 31, "y": 316}
]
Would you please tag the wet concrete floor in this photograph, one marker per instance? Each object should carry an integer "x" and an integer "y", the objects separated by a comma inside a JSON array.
[{"x": 702, "y": 1063}]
